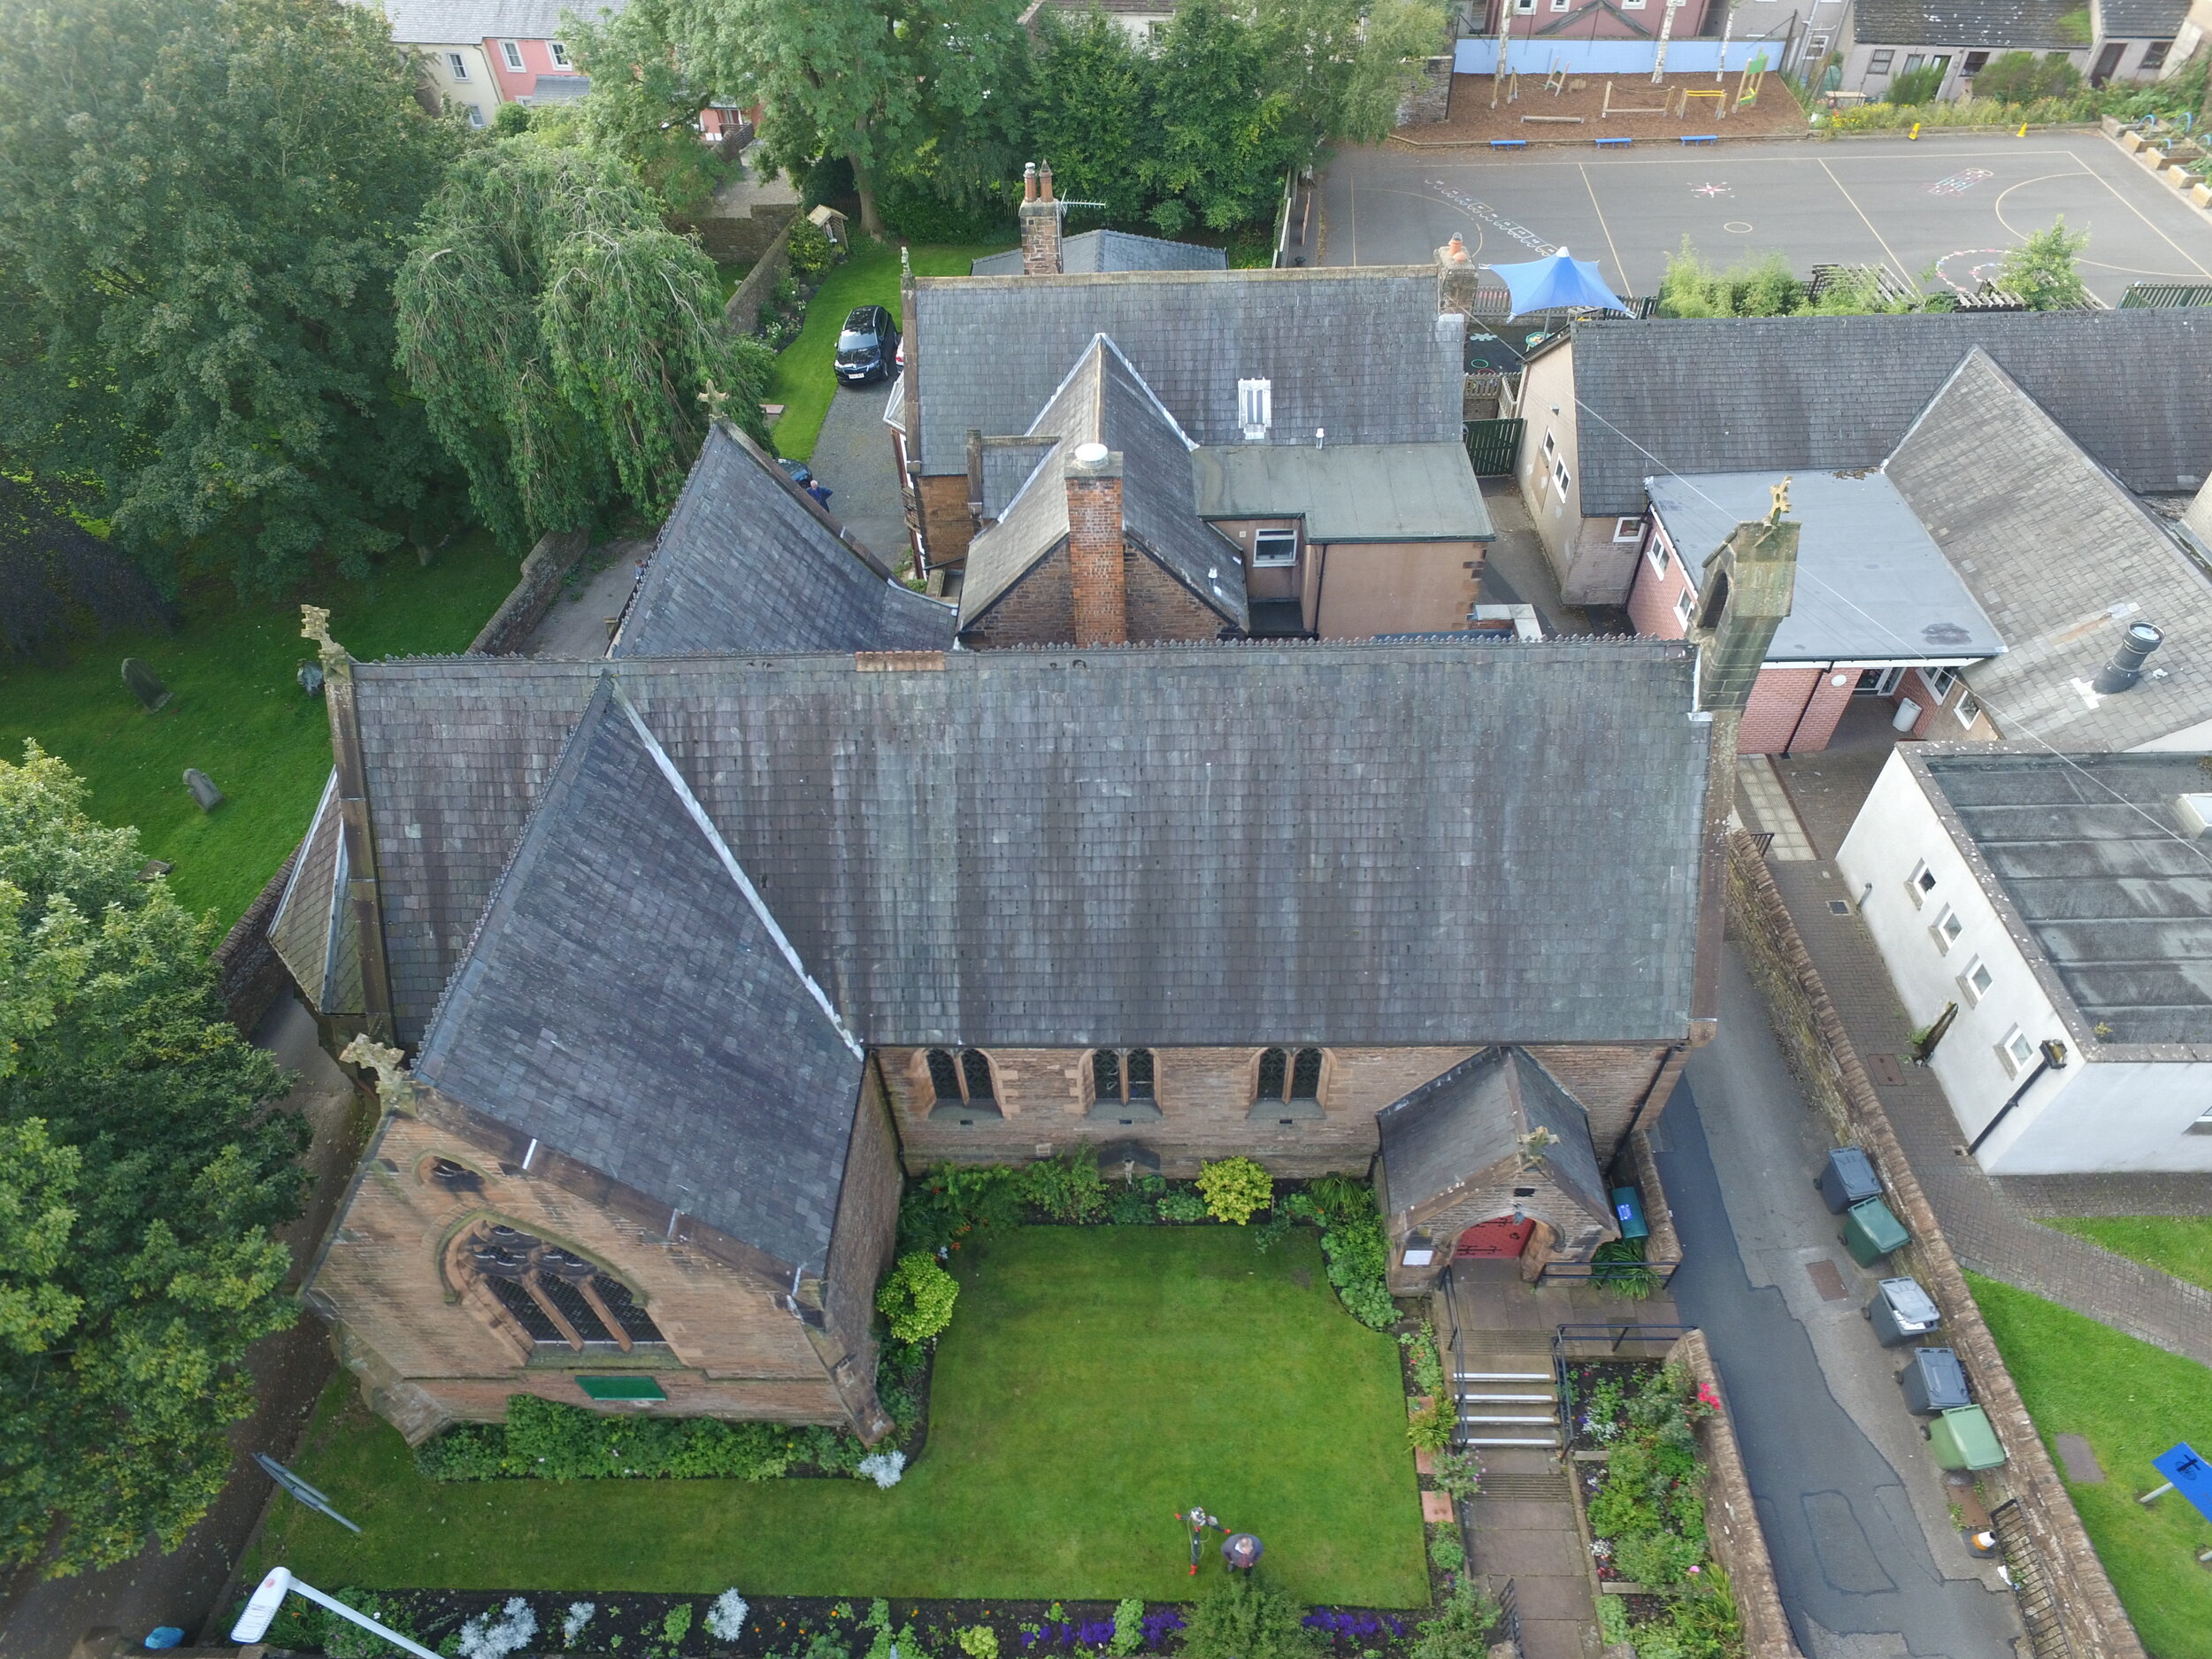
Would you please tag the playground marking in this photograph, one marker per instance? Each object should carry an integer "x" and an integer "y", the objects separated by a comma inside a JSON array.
[
  {"x": 2139, "y": 213},
  {"x": 1602, "y": 226},
  {"x": 1738, "y": 228},
  {"x": 1484, "y": 212},
  {"x": 1895, "y": 264},
  {"x": 1991, "y": 259},
  {"x": 1959, "y": 183},
  {"x": 1711, "y": 190},
  {"x": 1998, "y": 207}
]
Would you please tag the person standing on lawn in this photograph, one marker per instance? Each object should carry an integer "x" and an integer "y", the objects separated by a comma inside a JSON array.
[{"x": 1198, "y": 1521}]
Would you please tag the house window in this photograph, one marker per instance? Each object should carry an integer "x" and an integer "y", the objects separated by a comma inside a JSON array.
[
  {"x": 1913, "y": 60},
  {"x": 1921, "y": 882},
  {"x": 1970, "y": 708},
  {"x": 1948, "y": 926},
  {"x": 1940, "y": 682},
  {"x": 511, "y": 51},
  {"x": 476, "y": 116},
  {"x": 1878, "y": 64},
  {"x": 560, "y": 55},
  {"x": 1559, "y": 477},
  {"x": 1289, "y": 1085},
  {"x": 1877, "y": 682},
  {"x": 1524, "y": 6},
  {"x": 2155, "y": 55},
  {"x": 1974, "y": 64},
  {"x": 1629, "y": 529},
  {"x": 1274, "y": 547},
  {"x": 458, "y": 65},
  {"x": 1121, "y": 1085},
  {"x": 1561, "y": 5},
  {"x": 961, "y": 1080},
  {"x": 1656, "y": 552},
  {"x": 2017, "y": 1051},
  {"x": 1976, "y": 980},
  {"x": 1685, "y": 603},
  {"x": 2203, "y": 1126},
  {"x": 1256, "y": 408},
  {"x": 561, "y": 1301}
]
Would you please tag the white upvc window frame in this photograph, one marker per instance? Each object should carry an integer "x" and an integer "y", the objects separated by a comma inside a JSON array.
[
  {"x": 1947, "y": 928},
  {"x": 2009, "y": 1053},
  {"x": 456, "y": 66},
  {"x": 1685, "y": 606},
  {"x": 1976, "y": 981},
  {"x": 560, "y": 55},
  {"x": 1635, "y": 528},
  {"x": 511, "y": 53},
  {"x": 1276, "y": 538},
  {"x": 1920, "y": 884}
]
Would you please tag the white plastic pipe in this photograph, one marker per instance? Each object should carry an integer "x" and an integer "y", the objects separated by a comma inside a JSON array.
[{"x": 269, "y": 1595}]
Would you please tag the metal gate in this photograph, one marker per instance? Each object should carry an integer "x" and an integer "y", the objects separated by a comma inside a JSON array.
[
  {"x": 1493, "y": 446},
  {"x": 2030, "y": 1584}
]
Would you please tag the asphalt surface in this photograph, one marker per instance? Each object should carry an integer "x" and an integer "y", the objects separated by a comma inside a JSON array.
[
  {"x": 853, "y": 457},
  {"x": 1955, "y": 203},
  {"x": 1854, "y": 1510}
]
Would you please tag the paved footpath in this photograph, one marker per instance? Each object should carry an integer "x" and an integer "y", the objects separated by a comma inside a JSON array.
[{"x": 1989, "y": 1231}]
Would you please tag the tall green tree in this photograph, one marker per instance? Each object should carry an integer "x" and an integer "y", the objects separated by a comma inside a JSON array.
[
  {"x": 202, "y": 204},
  {"x": 141, "y": 1171},
  {"x": 867, "y": 80},
  {"x": 564, "y": 341},
  {"x": 1091, "y": 102},
  {"x": 644, "y": 103},
  {"x": 1223, "y": 122},
  {"x": 1343, "y": 69}
]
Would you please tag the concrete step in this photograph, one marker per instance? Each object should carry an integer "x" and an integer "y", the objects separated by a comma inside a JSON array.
[
  {"x": 1543, "y": 1376},
  {"x": 1467, "y": 1396},
  {"x": 1511, "y": 1439},
  {"x": 1551, "y": 1422}
]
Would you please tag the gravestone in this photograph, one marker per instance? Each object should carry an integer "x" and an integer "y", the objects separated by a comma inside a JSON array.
[
  {"x": 145, "y": 684},
  {"x": 204, "y": 793}
]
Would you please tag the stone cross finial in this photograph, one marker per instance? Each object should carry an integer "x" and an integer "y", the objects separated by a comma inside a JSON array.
[
  {"x": 717, "y": 401},
  {"x": 1781, "y": 493},
  {"x": 1534, "y": 1145},
  {"x": 394, "y": 1086},
  {"x": 315, "y": 624}
]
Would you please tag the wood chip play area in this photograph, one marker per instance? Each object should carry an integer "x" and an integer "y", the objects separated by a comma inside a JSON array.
[{"x": 1582, "y": 108}]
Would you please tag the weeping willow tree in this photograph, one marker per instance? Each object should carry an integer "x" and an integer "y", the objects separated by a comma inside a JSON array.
[{"x": 563, "y": 342}]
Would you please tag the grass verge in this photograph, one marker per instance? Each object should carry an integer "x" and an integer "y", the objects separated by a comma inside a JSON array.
[
  {"x": 2179, "y": 1245},
  {"x": 238, "y": 713},
  {"x": 805, "y": 379},
  {"x": 2131, "y": 1401},
  {"x": 1094, "y": 1382}
]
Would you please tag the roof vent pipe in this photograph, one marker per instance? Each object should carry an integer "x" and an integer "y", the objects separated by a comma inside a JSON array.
[{"x": 2140, "y": 639}]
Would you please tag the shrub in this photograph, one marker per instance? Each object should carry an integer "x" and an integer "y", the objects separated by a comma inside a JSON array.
[
  {"x": 1626, "y": 1276},
  {"x": 580, "y": 1615},
  {"x": 1234, "y": 1188},
  {"x": 1428, "y": 1364},
  {"x": 1066, "y": 1189},
  {"x": 1133, "y": 1206},
  {"x": 886, "y": 1469},
  {"x": 1182, "y": 1206},
  {"x": 1359, "y": 1260},
  {"x": 2023, "y": 78},
  {"x": 1661, "y": 1561},
  {"x": 979, "y": 1642},
  {"x": 486, "y": 1636},
  {"x": 1917, "y": 86},
  {"x": 917, "y": 1297},
  {"x": 1340, "y": 1198},
  {"x": 1242, "y": 1617},
  {"x": 725, "y": 1619},
  {"x": 1459, "y": 1472},
  {"x": 510, "y": 118},
  {"x": 1612, "y": 1619},
  {"x": 952, "y": 1203},
  {"x": 2041, "y": 269},
  {"x": 1429, "y": 1429},
  {"x": 1446, "y": 1550},
  {"x": 1128, "y": 1637},
  {"x": 542, "y": 1440},
  {"x": 810, "y": 250},
  {"x": 1461, "y": 1628},
  {"x": 676, "y": 1624}
]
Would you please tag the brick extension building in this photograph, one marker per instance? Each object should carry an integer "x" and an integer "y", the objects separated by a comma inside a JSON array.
[{"x": 691, "y": 956}]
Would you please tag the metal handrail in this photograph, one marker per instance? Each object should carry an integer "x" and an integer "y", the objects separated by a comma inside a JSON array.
[
  {"x": 1592, "y": 1273},
  {"x": 1618, "y": 1332}
]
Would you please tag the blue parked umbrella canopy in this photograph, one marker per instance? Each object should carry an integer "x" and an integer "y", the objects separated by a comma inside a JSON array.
[{"x": 1558, "y": 284}]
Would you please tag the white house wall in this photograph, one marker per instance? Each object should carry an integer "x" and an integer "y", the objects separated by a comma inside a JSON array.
[{"x": 2107, "y": 1115}]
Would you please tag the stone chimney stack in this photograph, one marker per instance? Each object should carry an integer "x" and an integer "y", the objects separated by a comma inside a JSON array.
[
  {"x": 1039, "y": 222},
  {"x": 1744, "y": 592},
  {"x": 1095, "y": 552}
]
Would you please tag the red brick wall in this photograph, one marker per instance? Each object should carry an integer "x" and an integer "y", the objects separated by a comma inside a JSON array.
[
  {"x": 947, "y": 526},
  {"x": 1777, "y": 697},
  {"x": 1611, "y": 1082},
  {"x": 1161, "y": 608},
  {"x": 1038, "y": 610},
  {"x": 1651, "y": 601},
  {"x": 1096, "y": 559}
]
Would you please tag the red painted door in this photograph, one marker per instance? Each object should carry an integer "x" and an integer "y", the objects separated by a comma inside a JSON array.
[{"x": 1504, "y": 1237}]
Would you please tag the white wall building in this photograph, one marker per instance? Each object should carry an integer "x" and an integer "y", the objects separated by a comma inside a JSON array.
[{"x": 2057, "y": 900}]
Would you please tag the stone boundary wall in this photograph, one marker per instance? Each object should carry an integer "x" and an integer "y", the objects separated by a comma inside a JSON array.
[
  {"x": 1732, "y": 1518},
  {"x": 543, "y": 572},
  {"x": 742, "y": 312},
  {"x": 1431, "y": 102},
  {"x": 248, "y": 973},
  {"x": 1821, "y": 1054},
  {"x": 1664, "y": 1244}
]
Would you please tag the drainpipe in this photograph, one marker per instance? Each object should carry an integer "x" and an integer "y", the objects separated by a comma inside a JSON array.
[
  {"x": 1818, "y": 679},
  {"x": 2054, "y": 1060}
]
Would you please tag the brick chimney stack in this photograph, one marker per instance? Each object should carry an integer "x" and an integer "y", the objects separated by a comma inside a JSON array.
[
  {"x": 1095, "y": 552},
  {"x": 1039, "y": 222}
]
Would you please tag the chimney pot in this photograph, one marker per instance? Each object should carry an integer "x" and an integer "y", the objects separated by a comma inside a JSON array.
[
  {"x": 1090, "y": 457},
  {"x": 1029, "y": 183},
  {"x": 1044, "y": 180},
  {"x": 2138, "y": 640},
  {"x": 1456, "y": 249}
]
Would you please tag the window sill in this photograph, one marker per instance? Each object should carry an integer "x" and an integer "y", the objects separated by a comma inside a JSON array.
[
  {"x": 968, "y": 1112},
  {"x": 1286, "y": 1111},
  {"x": 1133, "y": 1111}
]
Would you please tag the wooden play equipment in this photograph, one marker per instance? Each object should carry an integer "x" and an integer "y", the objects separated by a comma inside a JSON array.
[
  {"x": 1610, "y": 108},
  {"x": 1748, "y": 83},
  {"x": 1557, "y": 121},
  {"x": 1509, "y": 81},
  {"x": 1555, "y": 83},
  {"x": 1720, "y": 102}
]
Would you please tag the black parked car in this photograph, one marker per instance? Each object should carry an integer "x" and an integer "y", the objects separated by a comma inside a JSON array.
[{"x": 867, "y": 346}]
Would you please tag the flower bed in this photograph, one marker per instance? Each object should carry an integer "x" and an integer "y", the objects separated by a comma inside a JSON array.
[{"x": 1644, "y": 1506}]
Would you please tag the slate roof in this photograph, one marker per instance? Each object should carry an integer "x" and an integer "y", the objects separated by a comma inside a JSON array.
[
  {"x": 1778, "y": 393},
  {"x": 1870, "y": 582},
  {"x": 1461, "y": 1124},
  {"x": 1359, "y": 350},
  {"x": 455, "y": 22},
  {"x": 1065, "y": 847},
  {"x": 2140, "y": 20},
  {"x": 2092, "y": 854},
  {"x": 747, "y": 562},
  {"x": 1103, "y": 400},
  {"x": 628, "y": 1002},
  {"x": 313, "y": 932},
  {"x": 1091, "y": 252},
  {"x": 2005, "y": 24},
  {"x": 1347, "y": 492},
  {"x": 2061, "y": 558}
]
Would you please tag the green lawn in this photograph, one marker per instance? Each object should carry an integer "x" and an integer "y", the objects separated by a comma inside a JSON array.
[
  {"x": 238, "y": 713},
  {"x": 2131, "y": 1401},
  {"x": 1094, "y": 1382},
  {"x": 2181, "y": 1245},
  {"x": 806, "y": 377}
]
